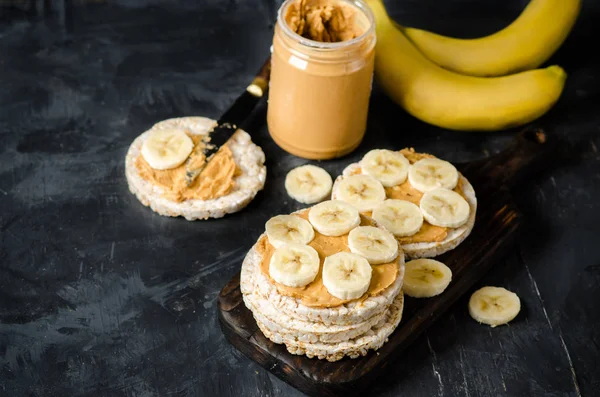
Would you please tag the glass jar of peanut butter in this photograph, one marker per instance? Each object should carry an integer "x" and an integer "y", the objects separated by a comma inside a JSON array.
[{"x": 321, "y": 77}]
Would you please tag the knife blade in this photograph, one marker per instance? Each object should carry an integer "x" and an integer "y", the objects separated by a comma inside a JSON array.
[{"x": 228, "y": 123}]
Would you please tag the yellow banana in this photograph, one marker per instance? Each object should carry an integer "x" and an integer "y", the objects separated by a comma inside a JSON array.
[
  {"x": 525, "y": 44},
  {"x": 455, "y": 101}
]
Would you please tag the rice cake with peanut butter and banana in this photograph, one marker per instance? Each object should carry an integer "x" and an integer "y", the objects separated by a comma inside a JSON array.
[
  {"x": 325, "y": 281},
  {"x": 158, "y": 162},
  {"x": 424, "y": 201}
]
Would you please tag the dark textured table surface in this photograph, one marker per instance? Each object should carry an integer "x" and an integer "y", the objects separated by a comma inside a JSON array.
[{"x": 86, "y": 270}]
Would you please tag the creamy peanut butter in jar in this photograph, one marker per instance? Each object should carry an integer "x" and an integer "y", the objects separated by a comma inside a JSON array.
[{"x": 321, "y": 77}]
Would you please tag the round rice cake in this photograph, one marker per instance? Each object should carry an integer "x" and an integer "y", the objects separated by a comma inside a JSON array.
[
  {"x": 304, "y": 331},
  {"x": 253, "y": 280},
  {"x": 430, "y": 249},
  {"x": 353, "y": 348},
  {"x": 249, "y": 179},
  {"x": 300, "y": 329}
]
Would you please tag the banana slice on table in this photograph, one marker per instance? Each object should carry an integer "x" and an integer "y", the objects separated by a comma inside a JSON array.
[
  {"x": 346, "y": 275},
  {"x": 308, "y": 184},
  {"x": 401, "y": 218},
  {"x": 288, "y": 229},
  {"x": 494, "y": 306},
  {"x": 362, "y": 191},
  {"x": 428, "y": 174},
  {"x": 445, "y": 208},
  {"x": 388, "y": 167},
  {"x": 166, "y": 149},
  {"x": 424, "y": 278},
  {"x": 334, "y": 217},
  {"x": 294, "y": 265},
  {"x": 374, "y": 244}
]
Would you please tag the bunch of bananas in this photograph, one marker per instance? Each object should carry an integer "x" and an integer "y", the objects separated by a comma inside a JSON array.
[{"x": 465, "y": 84}]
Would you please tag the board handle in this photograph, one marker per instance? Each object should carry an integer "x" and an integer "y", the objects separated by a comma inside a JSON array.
[{"x": 530, "y": 153}]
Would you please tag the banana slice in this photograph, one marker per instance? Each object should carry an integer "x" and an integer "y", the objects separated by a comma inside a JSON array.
[
  {"x": 388, "y": 167},
  {"x": 334, "y": 217},
  {"x": 445, "y": 208},
  {"x": 362, "y": 191},
  {"x": 494, "y": 306},
  {"x": 346, "y": 275},
  {"x": 374, "y": 244},
  {"x": 166, "y": 149},
  {"x": 288, "y": 229},
  {"x": 424, "y": 278},
  {"x": 402, "y": 218},
  {"x": 308, "y": 184},
  {"x": 294, "y": 265},
  {"x": 428, "y": 174}
]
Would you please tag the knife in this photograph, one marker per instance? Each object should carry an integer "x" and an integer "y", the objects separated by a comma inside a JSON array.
[{"x": 229, "y": 122}]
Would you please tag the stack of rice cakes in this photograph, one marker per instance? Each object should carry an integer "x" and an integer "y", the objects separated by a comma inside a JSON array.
[{"x": 331, "y": 333}]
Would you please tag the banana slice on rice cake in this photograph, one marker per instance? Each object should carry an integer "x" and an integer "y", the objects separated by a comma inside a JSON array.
[
  {"x": 157, "y": 168},
  {"x": 424, "y": 201}
]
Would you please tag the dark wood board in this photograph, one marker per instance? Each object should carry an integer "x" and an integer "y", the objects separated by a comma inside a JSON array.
[{"x": 495, "y": 230}]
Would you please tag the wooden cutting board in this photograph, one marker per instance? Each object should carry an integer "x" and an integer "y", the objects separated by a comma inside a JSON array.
[{"x": 492, "y": 237}]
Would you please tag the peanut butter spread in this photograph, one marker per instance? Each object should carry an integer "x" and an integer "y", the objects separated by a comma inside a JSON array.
[
  {"x": 216, "y": 180},
  {"x": 315, "y": 294},
  {"x": 323, "y": 20},
  {"x": 405, "y": 191}
]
